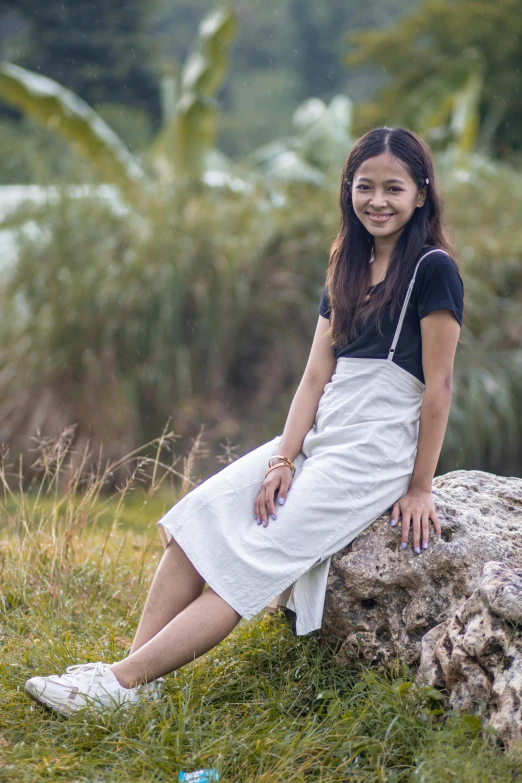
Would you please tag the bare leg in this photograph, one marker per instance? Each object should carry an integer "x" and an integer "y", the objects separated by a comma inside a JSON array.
[
  {"x": 175, "y": 585},
  {"x": 195, "y": 630}
]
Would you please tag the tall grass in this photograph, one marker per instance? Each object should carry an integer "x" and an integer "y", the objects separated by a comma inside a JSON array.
[
  {"x": 194, "y": 309},
  {"x": 262, "y": 706},
  {"x": 200, "y": 306}
]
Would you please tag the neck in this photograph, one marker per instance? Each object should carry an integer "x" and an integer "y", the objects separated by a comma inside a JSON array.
[{"x": 383, "y": 247}]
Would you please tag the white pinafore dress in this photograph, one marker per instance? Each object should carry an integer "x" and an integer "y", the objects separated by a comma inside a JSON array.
[{"x": 355, "y": 462}]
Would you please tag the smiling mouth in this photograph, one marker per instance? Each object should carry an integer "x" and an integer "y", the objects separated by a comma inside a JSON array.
[{"x": 379, "y": 217}]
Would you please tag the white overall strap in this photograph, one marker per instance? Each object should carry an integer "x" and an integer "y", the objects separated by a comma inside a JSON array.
[{"x": 406, "y": 300}]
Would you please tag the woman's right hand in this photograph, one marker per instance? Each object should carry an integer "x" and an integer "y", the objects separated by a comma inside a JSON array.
[{"x": 276, "y": 483}]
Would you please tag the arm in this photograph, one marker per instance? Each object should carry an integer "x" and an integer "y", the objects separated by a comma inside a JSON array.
[
  {"x": 440, "y": 333},
  {"x": 318, "y": 371}
]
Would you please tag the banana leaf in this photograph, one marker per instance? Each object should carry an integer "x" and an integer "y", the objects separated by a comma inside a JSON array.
[
  {"x": 64, "y": 112},
  {"x": 182, "y": 146}
]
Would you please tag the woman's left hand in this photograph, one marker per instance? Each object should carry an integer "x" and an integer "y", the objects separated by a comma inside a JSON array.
[{"x": 417, "y": 508}]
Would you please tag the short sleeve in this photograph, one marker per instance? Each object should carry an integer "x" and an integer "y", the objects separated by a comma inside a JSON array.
[
  {"x": 324, "y": 305},
  {"x": 439, "y": 286}
]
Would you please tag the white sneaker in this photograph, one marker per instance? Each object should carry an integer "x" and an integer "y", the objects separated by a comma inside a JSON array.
[
  {"x": 88, "y": 685},
  {"x": 153, "y": 689}
]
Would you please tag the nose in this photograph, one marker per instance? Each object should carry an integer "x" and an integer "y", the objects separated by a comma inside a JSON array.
[{"x": 378, "y": 199}]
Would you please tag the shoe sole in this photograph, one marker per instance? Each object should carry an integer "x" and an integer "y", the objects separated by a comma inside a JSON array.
[
  {"x": 51, "y": 708},
  {"x": 154, "y": 696}
]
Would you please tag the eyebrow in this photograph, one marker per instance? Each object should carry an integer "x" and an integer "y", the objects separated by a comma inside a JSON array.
[{"x": 367, "y": 179}]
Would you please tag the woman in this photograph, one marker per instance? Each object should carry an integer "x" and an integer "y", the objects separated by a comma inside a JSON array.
[{"x": 363, "y": 435}]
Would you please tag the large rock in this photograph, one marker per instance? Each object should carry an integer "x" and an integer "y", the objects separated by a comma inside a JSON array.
[
  {"x": 381, "y": 600},
  {"x": 477, "y": 653}
]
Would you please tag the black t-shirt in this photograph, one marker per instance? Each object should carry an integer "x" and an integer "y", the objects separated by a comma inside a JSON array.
[{"x": 438, "y": 286}]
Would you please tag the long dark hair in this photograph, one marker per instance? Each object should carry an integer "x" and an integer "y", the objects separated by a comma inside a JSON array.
[{"x": 348, "y": 276}]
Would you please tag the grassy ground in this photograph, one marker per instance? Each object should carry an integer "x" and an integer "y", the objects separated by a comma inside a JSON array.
[{"x": 262, "y": 706}]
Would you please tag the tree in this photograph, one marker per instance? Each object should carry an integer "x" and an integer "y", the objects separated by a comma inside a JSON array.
[
  {"x": 100, "y": 50},
  {"x": 187, "y": 137},
  {"x": 423, "y": 54},
  {"x": 286, "y": 52}
]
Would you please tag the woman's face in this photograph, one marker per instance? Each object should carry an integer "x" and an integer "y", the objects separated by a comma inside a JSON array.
[{"x": 384, "y": 196}]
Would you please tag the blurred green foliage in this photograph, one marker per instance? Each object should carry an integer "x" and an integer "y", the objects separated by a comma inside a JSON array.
[
  {"x": 198, "y": 303},
  {"x": 439, "y": 39},
  {"x": 200, "y": 306},
  {"x": 187, "y": 137},
  {"x": 119, "y": 322},
  {"x": 102, "y": 51},
  {"x": 286, "y": 50},
  {"x": 30, "y": 153}
]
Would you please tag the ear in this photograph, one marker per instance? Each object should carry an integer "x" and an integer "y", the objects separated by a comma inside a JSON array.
[{"x": 422, "y": 196}]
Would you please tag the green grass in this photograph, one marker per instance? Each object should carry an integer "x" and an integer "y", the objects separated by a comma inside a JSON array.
[{"x": 262, "y": 706}]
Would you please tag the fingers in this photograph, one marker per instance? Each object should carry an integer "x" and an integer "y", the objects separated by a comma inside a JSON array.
[
  {"x": 260, "y": 512},
  {"x": 416, "y": 533},
  {"x": 405, "y": 529},
  {"x": 395, "y": 514},
  {"x": 419, "y": 521},
  {"x": 274, "y": 487},
  {"x": 264, "y": 509},
  {"x": 269, "y": 499},
  {"x": 436, "y": 524},
  {"x": 413, "y": 518},
  {"x": 284, "y": 489},
  {"x": 261, "y": 507}
]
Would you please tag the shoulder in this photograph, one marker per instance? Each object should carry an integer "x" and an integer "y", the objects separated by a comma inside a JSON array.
[
  {"x": 438, "y": 285},
  {"x": 438, "y": 264}
]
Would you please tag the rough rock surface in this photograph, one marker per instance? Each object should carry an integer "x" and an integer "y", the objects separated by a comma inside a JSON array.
[
  {"x": 381, "y": 600},
  {"x": 477, "y": 653}
]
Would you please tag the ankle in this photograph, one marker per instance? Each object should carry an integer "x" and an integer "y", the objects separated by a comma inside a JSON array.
[{"x": 124, "y": 681}]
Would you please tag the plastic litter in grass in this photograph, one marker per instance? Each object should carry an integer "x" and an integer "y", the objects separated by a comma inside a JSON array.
[{"x": 200, "y": 776}]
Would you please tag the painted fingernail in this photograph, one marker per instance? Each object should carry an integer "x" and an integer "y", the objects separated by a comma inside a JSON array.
[
  {"x": 439, "y": 536},
  {"x": 265, "y": 523},
  {"x": 425, "y": 545},
  {"x": 417, "y": 550},
  {"x": 281, "y": 501},
  {"x": 393, "y": 522},
  {"x": 404, "y": 545},
  {"x": 259, "y": 521},
  {"x": 255, "y": 517},
  {"x": 273, "y": 517}
]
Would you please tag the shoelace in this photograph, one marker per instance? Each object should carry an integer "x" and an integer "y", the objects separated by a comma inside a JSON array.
[
  {"x": 96, "y": 669},
  {"x": 100, "y": 668}
]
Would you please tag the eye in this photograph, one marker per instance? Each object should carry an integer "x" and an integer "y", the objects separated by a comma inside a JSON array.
[{"x": 392, "y": 187}]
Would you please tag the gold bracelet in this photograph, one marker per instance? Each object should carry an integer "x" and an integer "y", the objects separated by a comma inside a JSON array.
[
  {"x": 285, "y": 459},
  {"x": 279, "y": 465},
  {"x": 290, "y": 465}
]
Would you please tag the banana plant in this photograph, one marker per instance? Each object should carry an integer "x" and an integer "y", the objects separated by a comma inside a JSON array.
[
  {"x": 184, "y": 146},
  {"x": 185, "y": 143},
  {"x": 62, "y": 110},
  {"x": 322, "y": 139},
  {"x": 446, "y": 108}
]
